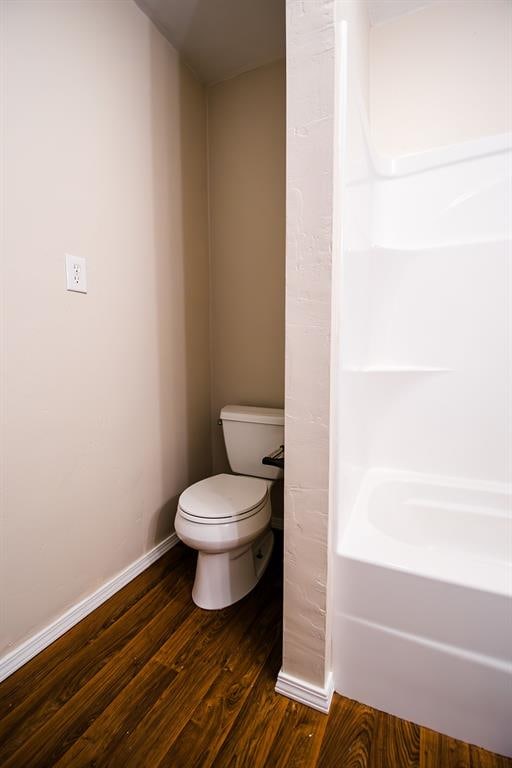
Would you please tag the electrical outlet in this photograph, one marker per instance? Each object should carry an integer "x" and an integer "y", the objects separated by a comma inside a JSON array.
[{"x": 76, "y": 274}]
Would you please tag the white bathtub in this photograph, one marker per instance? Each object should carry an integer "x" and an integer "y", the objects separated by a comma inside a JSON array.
[
  {"x": 423, "y": 604},
  {"x": 446, "y": 529}
]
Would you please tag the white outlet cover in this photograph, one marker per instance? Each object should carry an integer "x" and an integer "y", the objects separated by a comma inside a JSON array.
[{"x": 76, "y": 274}]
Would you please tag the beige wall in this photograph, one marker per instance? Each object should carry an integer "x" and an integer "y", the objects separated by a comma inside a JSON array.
[
  {"x": 246, "y": 145},
  {"x": 105, "y": 396},
  {"x": 441, "y": 75}
]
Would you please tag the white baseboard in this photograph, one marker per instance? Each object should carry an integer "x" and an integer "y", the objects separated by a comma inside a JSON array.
[
  {"x": 35, "y": 644},
  {"x": 307, "y": 693}
]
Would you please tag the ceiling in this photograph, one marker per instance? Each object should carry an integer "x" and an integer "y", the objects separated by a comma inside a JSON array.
[{"x": 221, "y": 38}]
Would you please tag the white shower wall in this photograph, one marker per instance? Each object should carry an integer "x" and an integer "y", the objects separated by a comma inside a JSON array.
[
  {"x": 422, "y": 501},
  {"x": 422, "y": 287},
  {"x": 438, "y": 75},
  {"x": 425, "y": 359}
]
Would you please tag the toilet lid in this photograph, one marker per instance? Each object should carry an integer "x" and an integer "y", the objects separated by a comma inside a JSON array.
[{"x": 223, "y": 498}]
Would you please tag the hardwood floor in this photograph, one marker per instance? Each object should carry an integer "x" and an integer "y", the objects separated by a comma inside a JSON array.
[{"x": 150, "y": 680}]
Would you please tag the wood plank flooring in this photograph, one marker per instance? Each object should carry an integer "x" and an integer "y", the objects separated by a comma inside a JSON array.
[{"x": 149, "y": 679}]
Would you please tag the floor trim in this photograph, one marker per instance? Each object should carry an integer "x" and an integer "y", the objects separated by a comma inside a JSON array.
[
  {"x": 307, "y": 693},
  {"x": 39, "y": 641}
]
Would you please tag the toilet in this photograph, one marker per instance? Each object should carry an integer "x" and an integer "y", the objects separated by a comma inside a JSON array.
[{"x": 227, "y": 517}]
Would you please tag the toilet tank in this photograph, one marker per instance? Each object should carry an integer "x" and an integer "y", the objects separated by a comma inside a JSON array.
[{"x": 251, "y": 433}]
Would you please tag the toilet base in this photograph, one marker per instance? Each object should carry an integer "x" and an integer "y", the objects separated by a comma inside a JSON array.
[{"x": 224, "y": 578}]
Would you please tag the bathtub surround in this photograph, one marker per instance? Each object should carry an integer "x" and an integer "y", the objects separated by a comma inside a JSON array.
[
  {"x": 428, "y": 399},
  {"x": 422, "y": 595},
  {"x": 418, "y": 100},
  {"x": 105, "y": 396},
  {"x": 246, "y": 148}
]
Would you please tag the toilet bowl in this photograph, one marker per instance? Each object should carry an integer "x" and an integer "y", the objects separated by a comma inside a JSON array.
[{"x": 226, "y": 518}]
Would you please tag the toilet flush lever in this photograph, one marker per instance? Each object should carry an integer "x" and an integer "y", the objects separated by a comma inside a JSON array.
[{"x": 275, "y": 459}]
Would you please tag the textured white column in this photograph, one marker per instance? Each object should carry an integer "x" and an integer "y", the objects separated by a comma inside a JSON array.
[{"x": 310, "y": 170}]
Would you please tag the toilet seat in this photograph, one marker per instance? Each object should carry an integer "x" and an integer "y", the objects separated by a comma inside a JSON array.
[{"x": 223, "y": 499}]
